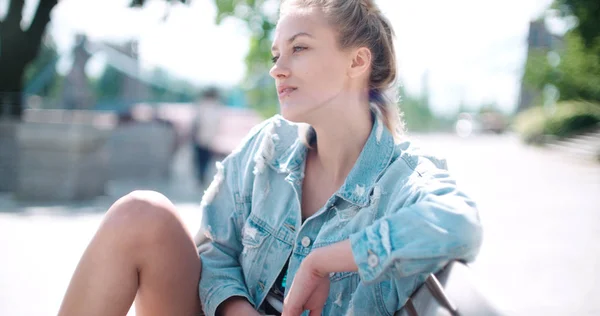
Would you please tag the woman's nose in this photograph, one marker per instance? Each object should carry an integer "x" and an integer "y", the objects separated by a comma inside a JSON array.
[{"x": 279, "y": 70}]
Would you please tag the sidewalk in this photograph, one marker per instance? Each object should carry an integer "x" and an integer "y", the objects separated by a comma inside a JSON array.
[
  {"x": 584, "y": 146},
  {"x": 42, "y": 243}
]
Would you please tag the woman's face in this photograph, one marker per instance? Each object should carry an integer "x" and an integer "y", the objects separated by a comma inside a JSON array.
[{"x": 310, "y": 70}]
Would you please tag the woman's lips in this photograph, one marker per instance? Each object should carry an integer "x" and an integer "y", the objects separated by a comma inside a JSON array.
[{"x": 286, "y": 92}]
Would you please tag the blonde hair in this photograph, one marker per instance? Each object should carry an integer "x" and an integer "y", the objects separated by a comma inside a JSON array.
[{"x": 360, "y": 23}]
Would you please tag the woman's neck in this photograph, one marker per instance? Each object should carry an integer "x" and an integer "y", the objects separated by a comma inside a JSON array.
[{"x": 340, "y": 142}]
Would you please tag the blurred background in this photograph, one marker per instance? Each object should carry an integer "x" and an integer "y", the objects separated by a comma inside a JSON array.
[{"x": 101, "y": 97}]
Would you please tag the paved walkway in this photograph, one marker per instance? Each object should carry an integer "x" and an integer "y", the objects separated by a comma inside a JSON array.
[
  {"x": 41, "y": 244},
  {"x": 540, "y": 210}
]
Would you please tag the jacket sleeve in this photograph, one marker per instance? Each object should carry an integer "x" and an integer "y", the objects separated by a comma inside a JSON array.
[
  {"x": 438, "y": 224},
  {"x": 219, "y": 240},
  {"x": 223, "y": 216}
]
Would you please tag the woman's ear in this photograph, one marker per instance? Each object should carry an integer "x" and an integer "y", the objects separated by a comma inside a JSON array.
[{"x": 361, "y": 62}]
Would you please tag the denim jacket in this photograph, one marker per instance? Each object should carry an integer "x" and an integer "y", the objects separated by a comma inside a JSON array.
[{"x": 401, "y": 210}]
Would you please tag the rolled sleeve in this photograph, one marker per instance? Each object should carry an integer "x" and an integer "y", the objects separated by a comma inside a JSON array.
[
  {"x": 220, "y": 294},
  {"x": 220, "y": 282},
  {"x": 369, "y": 253},
  {"x": 420, "y": 238}
]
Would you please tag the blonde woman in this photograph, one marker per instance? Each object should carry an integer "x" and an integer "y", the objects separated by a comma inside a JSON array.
[{"x": 341, "y": 218}]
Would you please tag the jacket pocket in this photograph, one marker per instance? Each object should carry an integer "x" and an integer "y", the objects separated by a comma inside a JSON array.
[
  {"x": 255, "y": 258},
  {"x": 253, "y": 235}
]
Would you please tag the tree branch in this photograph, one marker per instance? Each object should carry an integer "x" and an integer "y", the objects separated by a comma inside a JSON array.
[
  {"x": 14, "y": 15},
  {"x": 136, "y": 3},
  {"x": 38, "y": 26},
  {"x": 140, "y": 3}
]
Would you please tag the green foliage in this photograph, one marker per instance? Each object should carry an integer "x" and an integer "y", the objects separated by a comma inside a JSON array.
[
  {"x": 579, "y": 71},
  {"x": 587, "y": 13},
  {"x": 109, "y": 85},
  {"x": 418, "y": 116},
  {"x": 567, "y": 119},
  {"x": 262, "y": 95},
  {"x": 40, "y": 75},
  {"x": 577, "y": 77},
  {"x": 162, "y": 86}
]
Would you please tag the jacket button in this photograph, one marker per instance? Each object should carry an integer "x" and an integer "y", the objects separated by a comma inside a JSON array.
[
  {"x": 372, "y": 260},
  {"x": 305, "y": 241}
]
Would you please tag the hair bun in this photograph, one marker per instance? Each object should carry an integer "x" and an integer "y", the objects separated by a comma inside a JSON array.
[{"x": 369, "y": 6}]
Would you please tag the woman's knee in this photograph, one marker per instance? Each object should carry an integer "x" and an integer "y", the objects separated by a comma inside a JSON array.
[{"x": 143, "y": 214}]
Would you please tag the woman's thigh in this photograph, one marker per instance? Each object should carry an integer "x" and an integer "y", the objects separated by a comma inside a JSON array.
[{"x": 169, "y": 265}]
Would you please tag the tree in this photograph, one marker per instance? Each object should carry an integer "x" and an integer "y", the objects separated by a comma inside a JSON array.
[
  {"x": 587, "y": 13},
  {"x": 41, "y": 77},
  {"x": 108, "y": 86},
  {"x": 19, "y": 47},
  {"x": 572, "y": 70},
  {"x": 577, "y": 74},
  {"x": 261, "y": 91}
]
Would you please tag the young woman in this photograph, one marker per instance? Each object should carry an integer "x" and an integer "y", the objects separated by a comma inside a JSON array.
[{"x": 340, "y": 218}]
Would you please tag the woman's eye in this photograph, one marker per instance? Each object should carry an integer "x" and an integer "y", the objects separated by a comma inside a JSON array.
[
  {"x": 298, "y": 48},
  {"x": 295, "y": 49}
]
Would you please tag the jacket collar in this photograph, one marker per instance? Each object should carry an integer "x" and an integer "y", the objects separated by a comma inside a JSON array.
[{"x": 372, "y": 162}]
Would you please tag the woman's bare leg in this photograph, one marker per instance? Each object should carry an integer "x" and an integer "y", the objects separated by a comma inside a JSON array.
[{"x": 141, "y": 248}]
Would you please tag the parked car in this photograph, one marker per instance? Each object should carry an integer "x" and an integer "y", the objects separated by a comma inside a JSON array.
[{"x": 479, "y": 123}]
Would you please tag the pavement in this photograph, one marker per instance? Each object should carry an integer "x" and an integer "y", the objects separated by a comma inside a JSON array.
[
  {"x": 540, "y": 210},
  {"x": 583, "y": 146}
]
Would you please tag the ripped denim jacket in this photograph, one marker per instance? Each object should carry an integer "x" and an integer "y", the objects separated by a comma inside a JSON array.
[{"x": 402, "y": 211}]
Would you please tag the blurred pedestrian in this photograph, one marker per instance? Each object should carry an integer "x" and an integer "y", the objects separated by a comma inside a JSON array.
[{"x": 205, "y": 130}]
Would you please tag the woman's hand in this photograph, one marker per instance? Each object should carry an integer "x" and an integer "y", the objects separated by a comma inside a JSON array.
[
  {"x": 310, "y": 287},
  {"x": 309, "y": 290}
]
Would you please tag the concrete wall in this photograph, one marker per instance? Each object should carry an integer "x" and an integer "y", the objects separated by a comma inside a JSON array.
[
  {"x": 141, "y": 151},
  {"x": 9, "y": 155},
  {"x": 61, "y": 161},
  {"x": 56, "y": 155}
]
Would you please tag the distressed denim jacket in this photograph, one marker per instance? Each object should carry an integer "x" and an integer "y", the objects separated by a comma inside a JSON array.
[{"x": 402, "y": 211}]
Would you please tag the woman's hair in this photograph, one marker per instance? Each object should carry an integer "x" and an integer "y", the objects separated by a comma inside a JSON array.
[{"x": 360, "y": 23}]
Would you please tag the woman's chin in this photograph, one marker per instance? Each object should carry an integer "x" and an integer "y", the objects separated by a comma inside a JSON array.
[{"x": 291, "y": 114}]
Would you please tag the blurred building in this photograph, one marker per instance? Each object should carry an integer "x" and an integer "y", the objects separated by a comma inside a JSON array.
[
  {"x": 76, "y": 93},
  {"x": 539, "y": 39},
  {"x": 133, "y": 87}
]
